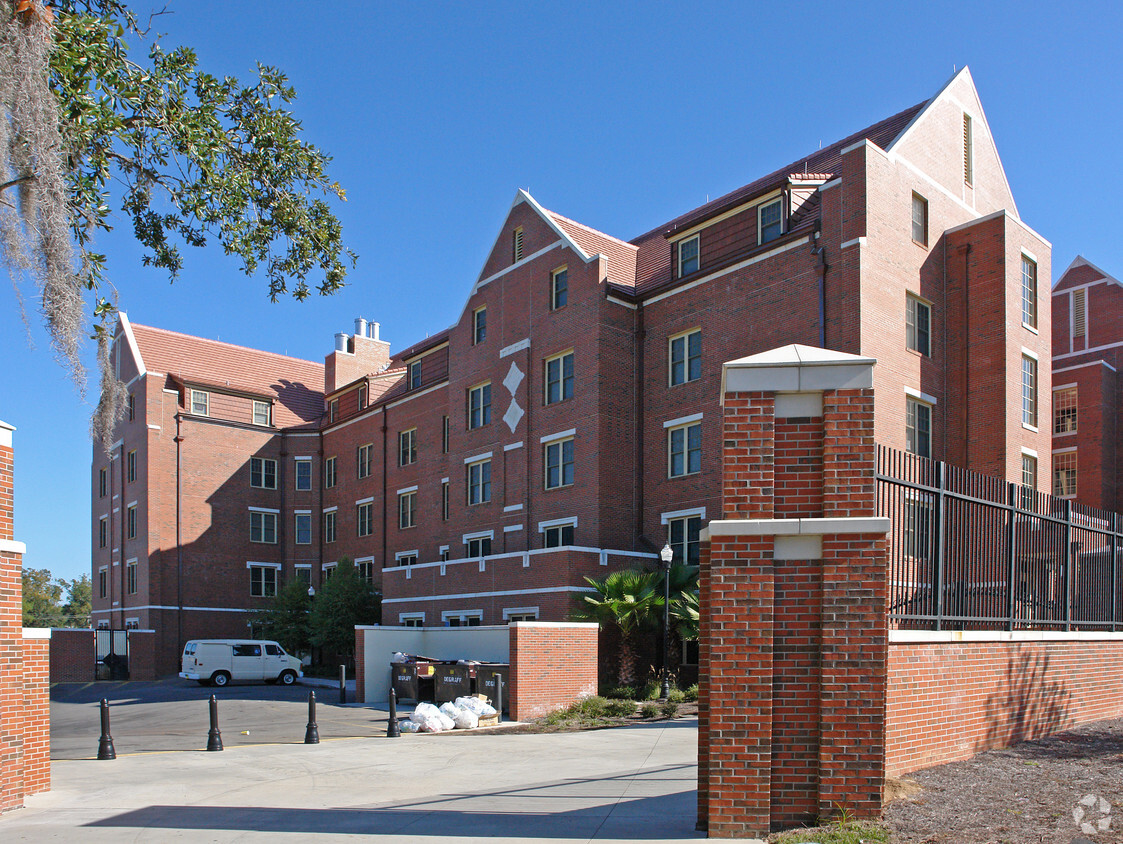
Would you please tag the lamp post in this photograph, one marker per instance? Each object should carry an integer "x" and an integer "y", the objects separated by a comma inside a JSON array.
[{"x": 665, "y": 556}]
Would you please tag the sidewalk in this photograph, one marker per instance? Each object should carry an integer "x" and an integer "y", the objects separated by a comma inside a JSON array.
[{"x": 624, "y": 784}]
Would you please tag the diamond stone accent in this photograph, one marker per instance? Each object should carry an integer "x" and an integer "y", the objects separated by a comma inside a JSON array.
[
  {"x": 513, "y": 415},
  {"x": 514, "y": 378}
]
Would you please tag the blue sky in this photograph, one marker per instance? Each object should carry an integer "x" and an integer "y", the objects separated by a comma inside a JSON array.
[{"x": 619, "y": 115}]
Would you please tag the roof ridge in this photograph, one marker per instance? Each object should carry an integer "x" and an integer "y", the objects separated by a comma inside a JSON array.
[{"x": 196, "y": 338}]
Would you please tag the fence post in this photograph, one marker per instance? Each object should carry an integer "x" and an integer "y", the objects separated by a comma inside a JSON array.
[
  {"x": 1011, "y": 557},
  {"x": 941, "y": 504},
  {"x": 1067, "y": 573},
  {"x": 1114, "y": 572}
]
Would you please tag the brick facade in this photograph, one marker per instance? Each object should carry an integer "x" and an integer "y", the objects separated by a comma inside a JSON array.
[
  {"x": 575, "y": 399},
  {"x": 552, "y": 665},
  {"x": 24, "y": 661}
]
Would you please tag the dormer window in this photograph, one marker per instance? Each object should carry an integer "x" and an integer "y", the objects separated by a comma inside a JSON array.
[
  {"x": 333, "y": 410},
  {"x": 200, "y": 403},
  {"x": 688, "y": 256},
  {"x": 362, "y": 396},
  {"x": 414, "y": 377},
  {"x": 771, "y": 220}
]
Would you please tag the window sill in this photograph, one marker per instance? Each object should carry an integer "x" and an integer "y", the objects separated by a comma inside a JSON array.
[
  {"x": 1030, "y": 328},
  {"x": 1033, "y": 428},
  {"x": 922, "y": 245},
  {"x": 556, "y": 488},
  {"x": 918, "y": 353},
  {"x": 1064, "y": 434},
  {"x": 684, "y": 475}
]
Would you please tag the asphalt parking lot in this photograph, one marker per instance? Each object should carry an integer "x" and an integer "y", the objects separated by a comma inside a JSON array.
[{"x": 174, "y": 714}]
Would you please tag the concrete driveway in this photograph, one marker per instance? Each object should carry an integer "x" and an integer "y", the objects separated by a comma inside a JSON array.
[{"x": 625, "y": 784}]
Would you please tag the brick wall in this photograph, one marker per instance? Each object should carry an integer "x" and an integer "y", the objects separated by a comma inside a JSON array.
[
  {"x": 72, "y": 656},
  {"x": 24, "y": 662},
  {"x": 552, "y": 665},
  {"x": 951, "y": 700}
]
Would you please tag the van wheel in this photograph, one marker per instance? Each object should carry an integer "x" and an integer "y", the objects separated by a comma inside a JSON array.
[
  {"x": 220, "y": 678},
  {"x": 288, "y": 677}
]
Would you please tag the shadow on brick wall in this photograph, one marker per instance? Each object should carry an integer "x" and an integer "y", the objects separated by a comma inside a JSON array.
[{"x": 1027, "y": 705}]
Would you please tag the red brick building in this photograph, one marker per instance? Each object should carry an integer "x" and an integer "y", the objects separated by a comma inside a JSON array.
[
  {"x": 569, "y": 422},
  {"x": 1087, "y": 342}
]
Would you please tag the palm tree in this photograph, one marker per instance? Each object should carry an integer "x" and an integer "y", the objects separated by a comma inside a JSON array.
[{"x": 626, "y": 600}]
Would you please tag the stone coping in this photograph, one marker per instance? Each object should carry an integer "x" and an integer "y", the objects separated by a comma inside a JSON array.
[{"x": 796, "y": 527}]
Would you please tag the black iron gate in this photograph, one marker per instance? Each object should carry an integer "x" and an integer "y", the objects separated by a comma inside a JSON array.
[{"x": 111, "y": 654}]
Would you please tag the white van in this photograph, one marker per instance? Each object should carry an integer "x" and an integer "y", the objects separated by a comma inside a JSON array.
[{"x": 219, "y": 661}]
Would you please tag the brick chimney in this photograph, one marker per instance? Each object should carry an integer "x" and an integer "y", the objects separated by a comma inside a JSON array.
[{"x": 355, "y": 355}]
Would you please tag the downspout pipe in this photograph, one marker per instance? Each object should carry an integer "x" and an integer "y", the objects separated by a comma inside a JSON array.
[
  {"x": 178, "y": 532},
  {"x": 820, "y": 252}
]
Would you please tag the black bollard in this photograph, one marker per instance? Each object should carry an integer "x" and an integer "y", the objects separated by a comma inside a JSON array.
[
  {"x": 214, "y": 737},
  {"x": 105, "y": 743},
  {"x": 393, "y": 730},
  {"x": 499, "y": 698},
  {"x": 312, "y": 733},
  {"x": 342, "y": 684}
]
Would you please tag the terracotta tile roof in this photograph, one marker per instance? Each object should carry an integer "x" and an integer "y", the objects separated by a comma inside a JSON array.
[
  {"x": 296, "y": 385},
  {"x": 621, "y": 256},
  {"x": 653, "y": 268}
]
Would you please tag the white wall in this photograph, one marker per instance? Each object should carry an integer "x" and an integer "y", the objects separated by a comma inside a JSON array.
[{"x": 482, "y": 644}]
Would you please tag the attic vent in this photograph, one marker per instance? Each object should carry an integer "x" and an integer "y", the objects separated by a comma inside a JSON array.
[
  {"x": 517, "y": 245},
  {"x": 1079, "y": 313},
  {"x": 968, "y": 151}
]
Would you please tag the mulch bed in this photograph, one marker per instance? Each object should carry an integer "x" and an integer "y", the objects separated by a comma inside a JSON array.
[{"x": 1025, "y": 794}]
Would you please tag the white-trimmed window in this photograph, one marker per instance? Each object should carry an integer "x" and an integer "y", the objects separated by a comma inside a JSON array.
[
  {"x": 685, "y": 357},
  {"x": 1029, "y": 391},
  {"x": 462, "y": 618},
  {"x": 918, "y": 325},
  {"x": 130, "y": 577},
  {"x": 444, "y": 500},
  {"x": 329, "y": 473},
  {"x": 304, "y": 574},
  {"x": 411, "y": 619},
  {"x": 444, "y": 554},
  {"x": 102, "y": 531},
  {"x": 684, "y": 449},
  {"x": 263, "y": 527},
  {"x": 682, "y": 536},
  {"x": 102, "y": 482},
  {"x": 303, "y": 528},
  {"x": 329, "y": 526},
  {"x": 131, "y": 522},
  {"x": 407, "y": 447},
  {"x": 557, "y": 535},
  {"x": 517, "y": 245},
  {"x": 200, "y": 402},
  {"x": 130, "y": 466},
  {"x": 333, "y": 410},
  {"x": 558, "y": 460},
  {"x": 688, "y": 257},
  {"x": 303, "y": 472},
  {"x": 918, "y": 427},
  {"x": 1029, "y": 471},
  {"x": 406, "y": 558},
  {"x": 919, "y": 219},
  {"x": 362, "y": 395},
  {"x": 1064, "y": 474},
  {"x": 407, "y": 509},
  {"x": 263, "y": 580},
  {"x": 559, "y": 288},
  {"x": 262, "y": 413},
  {"x": 327, "y": 570},
  {"x": 103, "y": 581},
  {"x": 263, "y": 473},
  {"x": 479, "y": 325},
  {"x": 364, "y": 518},
  {"x": 477, "y": 546},
  {"x": 479, "y": 482},
  {"x": 1029, "y": 292},
  {"x": 479, "y": 406},
  {"x": 365, "y": 457},
  {"x": 444, "y": 434},
  {"x": 414, "y": 375},
  {"x": 520, "y": 614},
  {"x": 1064, "y": 410},
  {"x": 365, "y": 569},
  {"x": 770, "y": 220},
  {"x": 559, "y": 377}
]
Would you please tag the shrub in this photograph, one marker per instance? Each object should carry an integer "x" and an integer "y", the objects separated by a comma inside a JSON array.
[
  {"x": 591, "y": 707},
  {"x": 649, "y": 710},
  {"x": 620, "y": 708},
  {"x": 651, "y": 689},
  {"x": 669, "y": 708},
  {"x": 677, "y": 695},
  {"x": 621, "y": 693},
  {"x": 692, "y": 693}
]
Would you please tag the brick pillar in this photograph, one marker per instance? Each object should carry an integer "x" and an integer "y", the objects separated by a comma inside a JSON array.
[{"x": 793, "y": 588}]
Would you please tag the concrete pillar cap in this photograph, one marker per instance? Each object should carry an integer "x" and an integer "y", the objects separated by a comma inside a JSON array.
[
  {"x": 797, "y": 368},
  {"x": 6, "y": 433}
]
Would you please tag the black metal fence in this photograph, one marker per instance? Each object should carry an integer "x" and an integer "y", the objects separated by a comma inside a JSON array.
[{"x": 972, "y": 552}]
